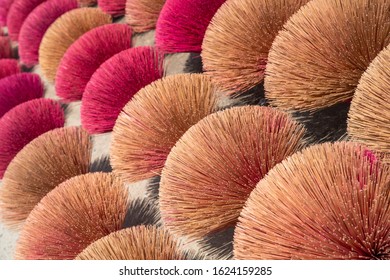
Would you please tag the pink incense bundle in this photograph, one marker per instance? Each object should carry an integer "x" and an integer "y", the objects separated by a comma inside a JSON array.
[
  {"x": 113, "y": 7},
  {"x": 142, "y": 15},
  {"x": 24, "y": 123},
  {"x": 5, "y": 5},
  {"x": 86, "y": 55},
  {"x": 18, "y": 12},
  {"x": 182, "y": 24},
  {"x": 5, "y": 47},
  {"x": 17, "y": 89},
  {"x": 115, "y": 83},
  {"x": 35, "y": 26},
  {"x": 8, "y": 67}
]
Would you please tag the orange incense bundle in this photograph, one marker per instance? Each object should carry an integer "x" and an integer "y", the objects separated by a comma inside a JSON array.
[
  {"x": 369, "y": 116},
  {"x": 237, "y": 41},
  {"x": 78, "y": 212},
  {"x": 63, "y": 32},
  {"x": 135, "y": 243},
  {"x": 330, "y": 201},
  {"x": 142, "y": 15},
  {"x": 316, "y": 61},
  {"x": 39, "y": 167},
  {"x": 156, "y": 117},
  {"x": 216, "y": 164}
]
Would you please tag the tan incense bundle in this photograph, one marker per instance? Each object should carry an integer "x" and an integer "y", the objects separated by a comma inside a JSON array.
[
  {"x": 142, "y": 15},
  {"x": 63, "y": 32},
  {"x": 216, "y": 164},
  {"x": 135, "y": 243},
  {"x": 330, "y": 201},
  {"x": 236, "y": 44},
  {"x": 369, "y": 116},
  {"x": 78, "y": 212},
  {"x": 73, "y": 215},
  {"x": 156, "y": 117},
  {"x": 39, "y": 167},
  {"x": 318, "y": 58}
]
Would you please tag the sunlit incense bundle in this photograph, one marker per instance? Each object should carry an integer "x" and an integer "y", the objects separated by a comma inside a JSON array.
[
  {"x": 318, "y": 58},
  {"x": 5, "y": 47},
  {"x": 115, "y": 83},
  {"x": 39, "y": 167},
  {"x": 153, "y": 121},
  {"x": 63, "y": 32},
  {"x": 142, "y": 15},
  {"x": 85, "y": 56},
  {"x": 235, "y": 51},
  {"x": 35, "y": 26},
  {"x": 5, "y": 5},
  {"x": 113, "y": 7},
  {"x": 78, "y": 212},
  {"x": 24, "y": 123},
  {"x": 330, "y": 201},
  {"x": 8, "y": 67},
  {"x": 135, "y": 243},
  {"x": 17, "y": 14},
  {"x": 182, "y": 24},
  {"x": 17, "y": 89},
  {"x": 369, "y": 116},
  {"x": 213, "y": 168}
]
